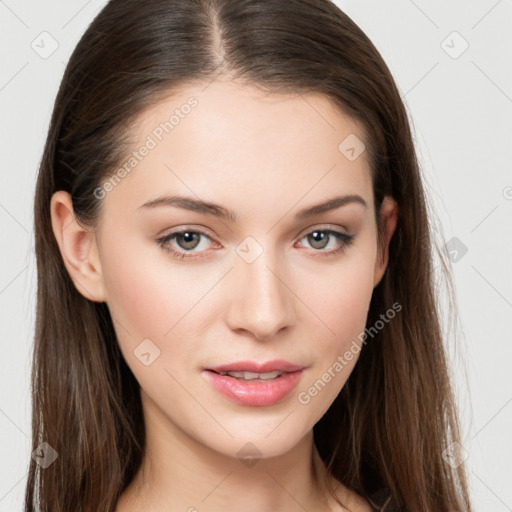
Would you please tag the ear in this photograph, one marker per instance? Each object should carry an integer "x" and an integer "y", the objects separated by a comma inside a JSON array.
[
  {"x": 389, "y": 217},
  {"x": 78, "y": 248}
]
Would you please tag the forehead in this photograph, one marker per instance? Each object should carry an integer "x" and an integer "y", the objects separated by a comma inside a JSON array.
[
  {"x": 227, "y": 112},
  {"x": 228, "y": 139}
]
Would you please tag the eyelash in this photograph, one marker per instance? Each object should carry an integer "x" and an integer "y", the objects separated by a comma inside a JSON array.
[{"x": 344, "y": 239}]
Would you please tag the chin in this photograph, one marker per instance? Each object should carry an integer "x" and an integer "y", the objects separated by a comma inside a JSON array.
[{"x": 258, "y": 435}]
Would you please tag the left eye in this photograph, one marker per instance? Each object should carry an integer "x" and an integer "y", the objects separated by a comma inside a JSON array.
[
  {"x": 186, "y": 242},
  {"x": 327, "y": 239}
]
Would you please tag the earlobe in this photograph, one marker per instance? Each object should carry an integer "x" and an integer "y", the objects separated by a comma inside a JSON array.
[
  {"x": 389, "y": 219},
  {"x": 78, "y": 248}
]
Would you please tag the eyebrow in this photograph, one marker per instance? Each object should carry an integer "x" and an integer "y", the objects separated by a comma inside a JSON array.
[{"x": 208, "y": 208}]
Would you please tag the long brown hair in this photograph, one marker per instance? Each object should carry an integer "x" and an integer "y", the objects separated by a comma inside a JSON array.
[{"x": 395, "y": 415}]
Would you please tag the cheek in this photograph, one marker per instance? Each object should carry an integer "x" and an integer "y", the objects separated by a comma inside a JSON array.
[
  {"x": 348, "y": 309},
  {"x": 151, "y": 301},
  {"x": 139, "y": 298},
  {"x": 340, "y": 298},
  {"x": 152, "y": 297},
  {"x": 147, "y": 293}
]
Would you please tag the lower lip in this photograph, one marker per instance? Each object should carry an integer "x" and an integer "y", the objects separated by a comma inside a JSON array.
[{"x": 255, "y": 393}]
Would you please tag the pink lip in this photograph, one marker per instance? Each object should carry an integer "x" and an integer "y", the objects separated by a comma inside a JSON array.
[{"x": 256, "y": 393}]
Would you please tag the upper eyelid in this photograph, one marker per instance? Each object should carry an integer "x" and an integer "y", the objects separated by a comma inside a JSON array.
[{"x": 324, "y": 227}]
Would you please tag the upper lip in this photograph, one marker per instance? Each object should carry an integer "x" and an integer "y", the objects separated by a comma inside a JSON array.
[{"x": 254, "y": 367}]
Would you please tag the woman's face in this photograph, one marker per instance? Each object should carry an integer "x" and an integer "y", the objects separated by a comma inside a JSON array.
[{"x": 215, "y": 250}]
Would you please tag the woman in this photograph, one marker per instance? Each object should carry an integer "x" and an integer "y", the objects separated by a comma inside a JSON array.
[{"x": 235, "y": 306}]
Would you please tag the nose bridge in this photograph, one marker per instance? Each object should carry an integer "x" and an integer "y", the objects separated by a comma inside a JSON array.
[{"x": 261, "y": 303}]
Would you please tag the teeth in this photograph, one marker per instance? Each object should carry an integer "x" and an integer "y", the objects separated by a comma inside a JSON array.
[{"x": 253, "y": 376}]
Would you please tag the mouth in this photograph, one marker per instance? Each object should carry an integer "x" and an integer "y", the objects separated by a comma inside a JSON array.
[
  {"x": 250, "y": 376},
  {"x": 252, "y": 367},
  {"x": 254, "y": 384}
]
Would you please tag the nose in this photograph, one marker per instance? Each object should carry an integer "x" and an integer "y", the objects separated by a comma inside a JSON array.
[{"x": 261, "y": 302}]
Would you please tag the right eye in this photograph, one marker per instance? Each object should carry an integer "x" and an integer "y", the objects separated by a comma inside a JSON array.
[{"x": 182, "y": 244}]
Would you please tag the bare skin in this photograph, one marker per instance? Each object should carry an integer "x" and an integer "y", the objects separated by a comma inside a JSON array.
[{"x": 265, "y": 157}]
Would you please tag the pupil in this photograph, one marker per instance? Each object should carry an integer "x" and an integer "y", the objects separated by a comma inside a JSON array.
[
  {"x": 188, "y": 238},
  {"x": 319, "y": 239}
]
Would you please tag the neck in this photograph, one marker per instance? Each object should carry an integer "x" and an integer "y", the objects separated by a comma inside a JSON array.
[{"x": 178, "y": 473}]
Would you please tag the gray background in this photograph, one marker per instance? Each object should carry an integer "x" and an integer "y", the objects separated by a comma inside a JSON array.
[{"x": 460, "y": 105}]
